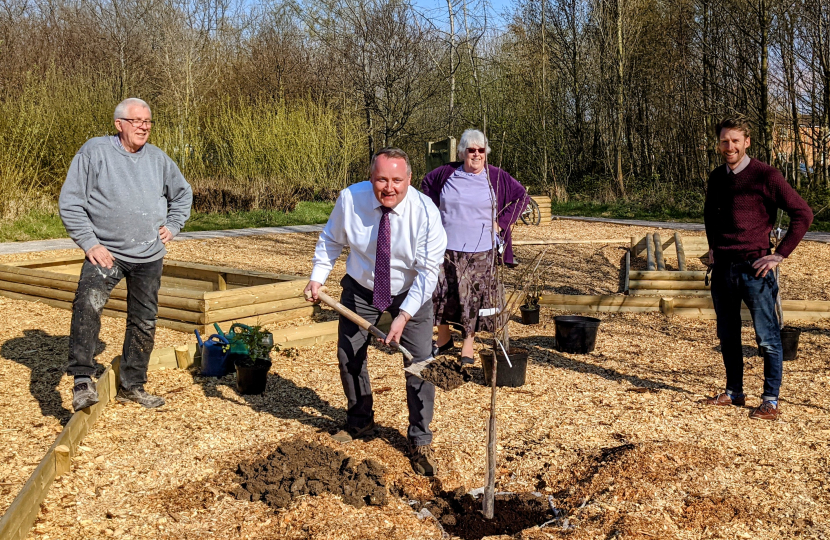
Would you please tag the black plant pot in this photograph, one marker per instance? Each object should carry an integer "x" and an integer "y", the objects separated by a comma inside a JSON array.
[
  {"x": 789, "y": 342},
  {"x": 505, "y": 375},
  {"x": 530, "y": 314},
  {"x": 252, "y": 377},
  {"x": 576, "y": 334}
]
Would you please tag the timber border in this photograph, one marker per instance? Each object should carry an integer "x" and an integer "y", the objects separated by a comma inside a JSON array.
[{"x": 192, "y": 296}]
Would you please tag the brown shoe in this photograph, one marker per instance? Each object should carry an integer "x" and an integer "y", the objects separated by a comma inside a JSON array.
[
  {"x": 422, "y": 460},
  {"x": 767, "y": 411},
  {"x": 724, "y": 399},
  {"x": 349, "y": 433}
]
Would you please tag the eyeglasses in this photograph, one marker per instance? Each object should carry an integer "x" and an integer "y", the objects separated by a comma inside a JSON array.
[
  {"x": 474, "y": 150},
  {"x": 136, "y": 123}
]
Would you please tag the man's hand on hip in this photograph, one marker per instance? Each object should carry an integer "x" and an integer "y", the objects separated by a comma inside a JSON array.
[
  {"x": 165, "y": 234},
  {"x": 310, "y": 291},
  {"x": 100, "y": 256},
  {"x": 396, "y": 329},
  {"x": 766, "y": 264}
]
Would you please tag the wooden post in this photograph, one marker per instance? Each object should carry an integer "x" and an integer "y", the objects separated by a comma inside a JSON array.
[
  {"x": 488, "y": 505},
  {"x": 681, "y": 255},
  {"x": 627, "y": 268},
  {"x": 222, "y": 284},
  {"x": 183, "y": 358},
  {"x": 62, "y": 460},
  {"x": 112, "y": 375},
  {"x": 650, "y": 265},
  {"x": 667, "y": 306},
  {"x": 658, "y": 252}
]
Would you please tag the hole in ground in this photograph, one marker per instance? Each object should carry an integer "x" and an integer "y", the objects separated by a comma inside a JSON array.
[{"x": 460, "y": 513}]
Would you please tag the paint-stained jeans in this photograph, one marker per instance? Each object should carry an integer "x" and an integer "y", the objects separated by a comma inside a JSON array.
[
  {"x": 732, "y": 283},
  {"x": 94, "y": 288}
]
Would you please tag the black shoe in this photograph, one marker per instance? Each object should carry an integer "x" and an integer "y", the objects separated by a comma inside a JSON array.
[
  {"x": 350, "y": 433},
  {"x": 84, "y": 395},
  {"x": 467, "y": 360},
  {"x": 436, "y": 349},
  {"x": 140, "y": 396}
]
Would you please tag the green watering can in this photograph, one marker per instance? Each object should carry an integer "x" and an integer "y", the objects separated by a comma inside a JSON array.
[{"x": 239, "y": 347}]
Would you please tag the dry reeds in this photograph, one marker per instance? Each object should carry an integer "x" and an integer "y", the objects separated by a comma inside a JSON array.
[{"x": 239, "y": 155}]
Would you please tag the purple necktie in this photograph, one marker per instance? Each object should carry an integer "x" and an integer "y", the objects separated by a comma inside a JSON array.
[{"x": 382, "y": 295}]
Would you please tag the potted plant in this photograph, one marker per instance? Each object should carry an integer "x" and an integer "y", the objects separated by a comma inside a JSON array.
[
  {"x": 530, "y": 309},
  {"x": 252, "y": 368}
]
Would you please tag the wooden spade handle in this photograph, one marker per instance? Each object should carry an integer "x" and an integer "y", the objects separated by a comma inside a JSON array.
[{"x": 357, "y": 319}]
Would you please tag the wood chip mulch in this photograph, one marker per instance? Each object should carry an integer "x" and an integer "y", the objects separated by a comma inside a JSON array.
[{"x": 616, "y": 437}]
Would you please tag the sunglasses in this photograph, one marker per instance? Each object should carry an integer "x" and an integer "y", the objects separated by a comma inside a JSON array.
[{"x": 474, "y": 150}]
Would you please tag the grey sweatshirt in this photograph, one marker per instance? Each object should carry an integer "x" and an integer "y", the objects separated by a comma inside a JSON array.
[{"x": 119, "y": 200}]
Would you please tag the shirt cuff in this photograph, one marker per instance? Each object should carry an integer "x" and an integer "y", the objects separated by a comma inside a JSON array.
[
  {"x": 319, "y": 274},
  {"x": 88, "y": 243},
  {"x": 411, "y": 305},
  {"x": 174, "y": 230}
]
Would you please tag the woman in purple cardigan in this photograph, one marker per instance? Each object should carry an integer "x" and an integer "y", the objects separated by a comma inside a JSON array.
[{"x": 473, "y": 198}]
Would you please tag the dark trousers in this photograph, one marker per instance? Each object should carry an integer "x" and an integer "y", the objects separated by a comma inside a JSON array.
[
  {"x": 732, "y": 283},
  {"x": 94, "y": 288},
  {"x": 352, "y": 344}
]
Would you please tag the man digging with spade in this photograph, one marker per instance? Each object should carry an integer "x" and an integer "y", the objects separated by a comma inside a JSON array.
[
  {"x": 742, "y": 200},
  {"x": 396, "y": 245}
]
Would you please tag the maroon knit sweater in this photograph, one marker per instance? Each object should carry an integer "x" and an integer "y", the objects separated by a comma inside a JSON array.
[{"x": 741, "y": 209}]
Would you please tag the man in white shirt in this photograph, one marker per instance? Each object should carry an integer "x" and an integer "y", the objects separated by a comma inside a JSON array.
[{"x": 396, "y": 245}]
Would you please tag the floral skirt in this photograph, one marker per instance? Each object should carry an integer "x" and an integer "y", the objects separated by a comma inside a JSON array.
[{"x": 467, "y": 283}]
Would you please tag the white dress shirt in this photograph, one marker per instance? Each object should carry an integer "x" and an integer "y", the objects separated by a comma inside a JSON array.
[{"x": 418, "y": 242}]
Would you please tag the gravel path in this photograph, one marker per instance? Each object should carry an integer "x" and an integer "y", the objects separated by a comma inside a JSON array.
[
  {"x": 9, "y": 248},
  {"x": 814, "y": 236}
]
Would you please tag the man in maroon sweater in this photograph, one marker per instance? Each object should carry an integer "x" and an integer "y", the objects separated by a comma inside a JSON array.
[{"x": 742, "y": 200}]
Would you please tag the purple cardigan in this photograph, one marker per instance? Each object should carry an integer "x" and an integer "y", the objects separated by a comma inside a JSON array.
[{"x": 511, "y": 198}]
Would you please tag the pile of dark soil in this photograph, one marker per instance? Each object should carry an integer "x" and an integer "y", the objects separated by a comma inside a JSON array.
[
  {"x": 460, "y": 513},
  {"x": 446, "y": 373},
  {"x": 306, "y": 468}
]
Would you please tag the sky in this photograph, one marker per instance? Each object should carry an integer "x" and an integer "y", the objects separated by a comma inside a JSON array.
[{"x": 439, "y": 8}]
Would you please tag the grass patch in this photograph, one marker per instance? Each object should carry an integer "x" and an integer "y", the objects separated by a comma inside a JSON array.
[
  {"x": 627, "y": 210},
  {"x": 40, "y": 225},
  {"x": 306, "y": 213},
  {"x": 36, "y": 225},
  {"x": 623, "y": 210}
]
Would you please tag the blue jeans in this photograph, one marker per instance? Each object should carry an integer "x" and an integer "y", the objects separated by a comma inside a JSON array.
[{"x": 732, "y": 283}]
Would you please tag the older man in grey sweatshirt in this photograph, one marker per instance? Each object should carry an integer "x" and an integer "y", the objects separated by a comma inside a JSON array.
[{"x": 122, "y": 201}]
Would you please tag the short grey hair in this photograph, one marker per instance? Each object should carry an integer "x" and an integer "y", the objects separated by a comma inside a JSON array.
[
  {"x": 121, "y": 108},
  {"x": 471, "y": 137}
]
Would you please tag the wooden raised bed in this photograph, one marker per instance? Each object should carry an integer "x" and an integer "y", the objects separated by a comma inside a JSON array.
[
  {"x": 192, "y": 296},
  {"x": 692, "y": 246},
  {"x": 544, "y": 207},
  {"x": 695, "y": 308}
]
